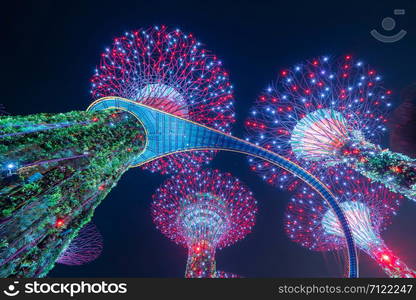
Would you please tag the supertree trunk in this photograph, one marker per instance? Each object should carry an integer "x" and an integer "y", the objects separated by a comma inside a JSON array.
[
  {"x": 58, "y": 168},
  {"x": 201, "y": 261}
]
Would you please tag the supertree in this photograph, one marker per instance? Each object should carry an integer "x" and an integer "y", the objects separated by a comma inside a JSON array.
[
  {"x": 203, "y": 212},
  {"x": 86, "y": 247},
  {"x": 168, "y": 70},
  {"x": 368, "y": 207},
  {"x": 161, "y": 134},
  {"x": 56, "y": 169},
  {"x": 327, "y": 112}
]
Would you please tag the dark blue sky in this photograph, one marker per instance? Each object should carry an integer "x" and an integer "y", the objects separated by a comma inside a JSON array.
[{"x": 49, "y": 51}]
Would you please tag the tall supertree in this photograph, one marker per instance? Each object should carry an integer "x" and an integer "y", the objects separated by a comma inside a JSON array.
[
  {"x": 56, "y": 169},
  {"x": 327, "y": 112},
  {"x": 203, "y": 212},
  {"x": 171, "y": 71},
  {"x": 86, "y": 247},
  {"x": 368, "y": 207}
]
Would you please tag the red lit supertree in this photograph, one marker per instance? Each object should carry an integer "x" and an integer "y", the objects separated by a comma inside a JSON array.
[
  {"x": 368, "y": 208},
  {"x": 168, "y": 70},
  {"x": 313, "y": 112},
  {"x": 203, "y": 212},
  {"x": 86, "y": 247}
]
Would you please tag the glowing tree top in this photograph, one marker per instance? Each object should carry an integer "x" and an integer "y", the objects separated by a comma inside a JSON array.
[
  {"x": 86, "y": 247},
  {"x": 168, "y": 70},
  {"x": 313, "y": 111},
  {"x": 202, "y": 212},
  {"x": 368, "y": 209}
]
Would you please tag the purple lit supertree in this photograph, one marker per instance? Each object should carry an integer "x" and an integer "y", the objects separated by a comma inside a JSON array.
[
  {"x": 203, "y": 212},
  {"x": 168, "y": 70},
  {"x": 86, "y": 247},
  {"x": 368, "y": 207},
  {"x": 311, "y": 112}
]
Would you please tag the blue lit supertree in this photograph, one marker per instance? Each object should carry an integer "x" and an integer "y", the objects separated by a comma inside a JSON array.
[
  {"x": 168, "y": 70},
  {"x": 203, "y": 212},
  {"x": 84, "y": 248},
  {"x": 326, "y": 112},
  {"x": 368, "y": 207}
]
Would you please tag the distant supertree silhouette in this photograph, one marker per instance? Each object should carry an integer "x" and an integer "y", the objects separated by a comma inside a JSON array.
[
  {"x": 55, "y": 170},
  {"x": 328, "y": 112},
  {"x": 203, "y": 212},
  {"x": 368, "y": 208},
  {"x": 86, "y": 247},
  {"x": 168, "y": 70},
  {"x": 403, "y": 124}
]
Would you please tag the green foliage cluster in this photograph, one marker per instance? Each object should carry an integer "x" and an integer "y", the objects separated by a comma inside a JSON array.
[{"x": 395, "y": 170}]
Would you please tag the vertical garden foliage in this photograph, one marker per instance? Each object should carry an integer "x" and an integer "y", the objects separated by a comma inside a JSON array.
[{"x": 55, "y": 170}]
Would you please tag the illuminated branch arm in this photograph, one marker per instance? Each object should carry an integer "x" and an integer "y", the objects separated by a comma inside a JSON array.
[
  {"x": 167, "y": 134},
  {"x": 396, "y": 171}
]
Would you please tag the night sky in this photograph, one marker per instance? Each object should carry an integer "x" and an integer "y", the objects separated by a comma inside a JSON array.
[{"x": 49, "y": 52}]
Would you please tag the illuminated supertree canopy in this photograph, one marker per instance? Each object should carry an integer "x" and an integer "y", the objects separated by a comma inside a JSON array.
[
  {"x": 369, "y": 208},
  {"x": 171, "y": 71},
  {"x": 203, "y": 212},
  {"x": 86, "y": 247},
  {"x": 56, "y": 169},
  {"x": 327, "y": 112}
]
